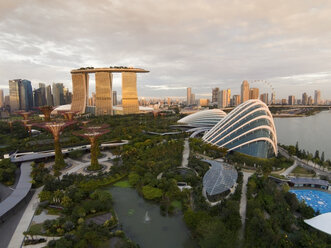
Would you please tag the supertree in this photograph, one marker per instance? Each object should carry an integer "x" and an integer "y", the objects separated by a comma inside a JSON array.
[
  {"x": 25, "y": 123},
  {"x": 10, "y": 123},
  {"x": 68, "y": 115},
  {"x": 55, "y": 128},
  {"x": 24, "y": 114},
  {"x": 29, "y": 127},
  {"x": 46, "y": 110},
  {"x": 85, "y": 123},
  {"x": 92, "y": 135}
]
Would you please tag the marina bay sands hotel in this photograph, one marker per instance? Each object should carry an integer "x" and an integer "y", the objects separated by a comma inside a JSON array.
[{"x": 103, "y": 89}]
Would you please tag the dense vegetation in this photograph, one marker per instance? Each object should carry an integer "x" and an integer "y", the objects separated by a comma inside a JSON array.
[
  {"x": 317, "y": 158},
  {"x": 7, "y": 172},
  {"x": 266, "y": 165},
  {"x": 275, "y": 218},
  {"x": 77, "y": 199},
  {"x": 216, "y": 226}
]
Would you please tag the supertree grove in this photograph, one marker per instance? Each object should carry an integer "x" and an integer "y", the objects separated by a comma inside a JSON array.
[{"x": 55, "y": 128}]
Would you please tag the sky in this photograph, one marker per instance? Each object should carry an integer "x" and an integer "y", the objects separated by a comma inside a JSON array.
[{"x": 197, "y": 43}]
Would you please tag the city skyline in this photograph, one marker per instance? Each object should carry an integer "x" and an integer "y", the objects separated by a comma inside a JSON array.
[{"x": 206, "y": 45}]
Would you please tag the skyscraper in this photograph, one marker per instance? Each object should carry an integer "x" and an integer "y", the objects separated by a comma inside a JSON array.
[
  {"x": 114, "y": 98},
  {"x": 26, "y": 95},
  {"x": 188, "y": 96},
  {"x": 14, "y": 94},
  {"x": 244, "y": 91},
  {"x": 265, "y": 98},
  {"x": 192, "y": 98},
  {"x": 2, "y": 99},
  {"x": 291, "y": 100},
  {"x": 37, "y": 96},
  {"x": 228, "y": 97},
  {"x": 223, "y": 99},
  {"x": 58, "y": 96},
  {"x": 254, "y": 93},
  {"x": 43, "y": 94},
  {"x": 304, "y": 99},
  {"x": 236, "y": 100},
  {"x": 214, "y": 97},
  {"x": 49, "y": 96},
  {"x": 317, "y": 97},
  {"x": 273, "y": 98}
]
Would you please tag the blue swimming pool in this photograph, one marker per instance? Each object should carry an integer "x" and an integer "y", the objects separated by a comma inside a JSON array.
[{"x": 318, "y": 200}]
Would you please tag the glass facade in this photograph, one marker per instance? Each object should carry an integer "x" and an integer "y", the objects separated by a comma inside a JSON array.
[
  {"x": 204, "y": 118},
  {"x": 248, "y": 129}
]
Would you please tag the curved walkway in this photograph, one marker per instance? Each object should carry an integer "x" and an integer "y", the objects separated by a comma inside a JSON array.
[{"x": 20, "y": 192}]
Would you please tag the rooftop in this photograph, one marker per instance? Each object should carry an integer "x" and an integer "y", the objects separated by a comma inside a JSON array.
[
  {"x": 302, "y": 180},
  {"x": 219, "y": 178},
  {"x": 109, "y": 69}
]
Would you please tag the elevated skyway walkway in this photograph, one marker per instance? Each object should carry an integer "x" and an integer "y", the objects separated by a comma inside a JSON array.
[
  {"x": 20, "y": 192},
  {"x": 30, "y": 156}
]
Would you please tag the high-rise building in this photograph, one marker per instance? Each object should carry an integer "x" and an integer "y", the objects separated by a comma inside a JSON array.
[
  {"x": 26, "y": 95},
  {"x": 49, "y": 96},
  {"x": 7, "y": 101},
  {"x": 188, "y": 96},
  {"x": 214, "y": 97},
  {"x": 58, "y": 96},
  {"x": 244, "y": 91},
  {"x": 204, "y": 102},
  {"x": 265, "y": 98},
  {"x": 2, "y": 98},
  {"x": 223, "y": 99},
  {"x": 14, "y": 94},
  {"x": 310, "y": 100},
  {"x": 236, "y": 100},
  {"x": 304, "y": 100},
  {"x": 291, "y": 100},
  {"x": 254, "y": 93},
  {"x": 273, "y": 98},
  {"x": 284, "y": 101},
  {"x": 114, "y": 98},
  {"x": 192, "y": 99},
  {"x": 228, "y": 99},
  {"x": 317, "y": 97},
  {"x": 43, "y": 94},
  {"x": 37, "y": 96}
]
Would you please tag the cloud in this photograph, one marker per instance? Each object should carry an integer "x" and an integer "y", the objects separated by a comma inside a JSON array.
[{"x": 196, "y": 43}]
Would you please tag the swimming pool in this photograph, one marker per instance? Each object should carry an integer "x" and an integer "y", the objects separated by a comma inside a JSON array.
[{"x": 318, "y": 200}]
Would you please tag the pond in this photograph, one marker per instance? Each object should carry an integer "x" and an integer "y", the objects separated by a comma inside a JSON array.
[
  {"x": 143, "y": 224},
  {"x": 318, "y": 200}
]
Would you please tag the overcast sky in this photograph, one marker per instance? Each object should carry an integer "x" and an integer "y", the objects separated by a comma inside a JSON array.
[{"x": 196, "y": 43}]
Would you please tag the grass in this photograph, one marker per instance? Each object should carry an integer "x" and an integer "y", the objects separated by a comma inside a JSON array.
[
  {"x": 123, "y": 184},
  {"x": 54, "y": 211},
  {"x": 176, "y": 204},
  {"x": 37, "y": 229},
  {"x": 300, "y": 170}
]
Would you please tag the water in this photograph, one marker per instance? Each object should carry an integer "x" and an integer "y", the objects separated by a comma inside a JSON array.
[
  {"x": 143, "y": 224},
  {"x": 318, "y": 200},
  {"x": 312, "y": 132}
]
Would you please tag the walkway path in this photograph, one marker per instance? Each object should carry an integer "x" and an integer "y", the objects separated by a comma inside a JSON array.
[
  {"x": 186, "y": 154},
  {"x": 289, "y": 169},
  {"x": 304, "y": 164},
  {"x": 78, "y": 166},
  {"x": 18, "y": 237},
  {"x": 243, "y": 203}
]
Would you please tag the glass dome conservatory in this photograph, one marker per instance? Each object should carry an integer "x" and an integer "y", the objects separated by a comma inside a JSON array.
[
  {"x": 248, "y": 129},
  {"x": 204, "y": 118}
]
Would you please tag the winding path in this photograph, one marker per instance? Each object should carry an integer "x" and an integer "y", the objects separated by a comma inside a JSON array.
[{"x": 186, "y": 154}]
